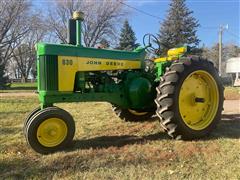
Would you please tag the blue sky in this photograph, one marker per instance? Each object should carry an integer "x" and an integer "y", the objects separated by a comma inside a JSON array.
[{"x": 210, "y": 13}]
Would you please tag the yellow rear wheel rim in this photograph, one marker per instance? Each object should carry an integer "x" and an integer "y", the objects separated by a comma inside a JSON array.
[
  {"x": 136, "y": 113},
  {"x": 198, "y": 100},
  {"x": 52, "y": 132}
]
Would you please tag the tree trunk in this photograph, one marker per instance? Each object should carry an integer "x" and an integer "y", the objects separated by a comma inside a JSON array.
[{"x": 23, "y": 79}]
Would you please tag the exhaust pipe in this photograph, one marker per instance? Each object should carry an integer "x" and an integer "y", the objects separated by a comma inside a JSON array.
[{"x": 75, "y": 28}]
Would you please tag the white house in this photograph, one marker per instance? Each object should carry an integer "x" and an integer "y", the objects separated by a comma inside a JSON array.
[{"x": 233, "y": 67}]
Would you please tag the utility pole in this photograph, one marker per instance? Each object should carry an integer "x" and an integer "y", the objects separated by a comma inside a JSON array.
[{"x": 221, "y": 29}]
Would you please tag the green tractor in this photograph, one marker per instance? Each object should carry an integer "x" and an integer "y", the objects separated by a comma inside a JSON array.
[{"x": 183, "y": 90}]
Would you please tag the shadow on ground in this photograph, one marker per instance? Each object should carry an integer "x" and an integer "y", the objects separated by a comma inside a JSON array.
[
  {"x": 229, "y": 127},
  {"x": 116, "y": 141},
  {"x": 22, "y": 165},
  {"x": 231, "y": 117}
]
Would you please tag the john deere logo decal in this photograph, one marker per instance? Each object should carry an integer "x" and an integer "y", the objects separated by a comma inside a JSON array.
[{"x": 108, "y": 63}]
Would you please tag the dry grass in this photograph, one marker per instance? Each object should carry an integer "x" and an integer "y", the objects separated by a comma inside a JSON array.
[{"x": 105, "y": 147}]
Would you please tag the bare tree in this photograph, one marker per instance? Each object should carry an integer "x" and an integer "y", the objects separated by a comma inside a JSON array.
[
  {"x": 12, "y": 24},
  {"x": 24, "y": 55},
  {"x": 212, "y": 53},
  {"x": 11, "y": 29},
  {"x": 100, "y": 19}
]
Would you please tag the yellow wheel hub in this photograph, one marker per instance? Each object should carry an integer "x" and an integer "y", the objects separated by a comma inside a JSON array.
[
  {"x": 52, "y": 132},
  {"x": 136, "y": 113},
  {"x": 198, "y": 100}
]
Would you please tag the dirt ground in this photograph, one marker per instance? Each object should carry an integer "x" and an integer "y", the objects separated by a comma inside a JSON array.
[{"x": 231, "y": 106}]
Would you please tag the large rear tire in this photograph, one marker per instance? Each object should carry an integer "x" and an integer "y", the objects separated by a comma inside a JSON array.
[{"x": 190, "y": 98}]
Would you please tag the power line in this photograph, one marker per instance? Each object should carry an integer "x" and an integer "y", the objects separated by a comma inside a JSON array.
[
  {"x": 141, "y": 11},
  {"x": 208, "y": 27},
  {"x": 233, "y": 34},
  {"x": 156, "y": 17}
]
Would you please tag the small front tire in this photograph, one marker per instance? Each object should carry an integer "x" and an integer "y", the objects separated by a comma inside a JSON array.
[
  {"x": 50, "y": 130},
  {"x": 28, "y": 118}
]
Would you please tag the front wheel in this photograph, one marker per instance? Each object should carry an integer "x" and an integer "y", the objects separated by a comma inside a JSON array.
[
  {"x": 190, "y": 99},
  {"x": 49, "y": 130},
  {"x": 30, "y": 115}
]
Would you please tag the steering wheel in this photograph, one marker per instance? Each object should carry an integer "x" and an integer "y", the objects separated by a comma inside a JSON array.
[{"x": 151, "y": 43}]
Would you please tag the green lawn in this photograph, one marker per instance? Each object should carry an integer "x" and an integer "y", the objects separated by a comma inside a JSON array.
[
  {"x": 24, "y": 85},
  {"x": 105, "y": 147},
  {"x": 20, "y": 87}
]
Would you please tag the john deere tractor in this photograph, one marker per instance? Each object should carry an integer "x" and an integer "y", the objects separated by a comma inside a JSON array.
[{"x": 183, "y": 90}]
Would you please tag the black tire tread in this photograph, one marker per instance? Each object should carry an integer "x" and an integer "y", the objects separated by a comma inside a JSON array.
[
  {"x": 166, "y": 102},
  {"x": 28, "y": 118}
]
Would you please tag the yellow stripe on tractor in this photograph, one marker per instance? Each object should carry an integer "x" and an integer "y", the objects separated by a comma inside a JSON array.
[{"x": 69, "y": 65}]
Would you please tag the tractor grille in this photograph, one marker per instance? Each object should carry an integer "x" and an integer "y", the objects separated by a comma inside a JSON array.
[{"x": 47, "y": 73}]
